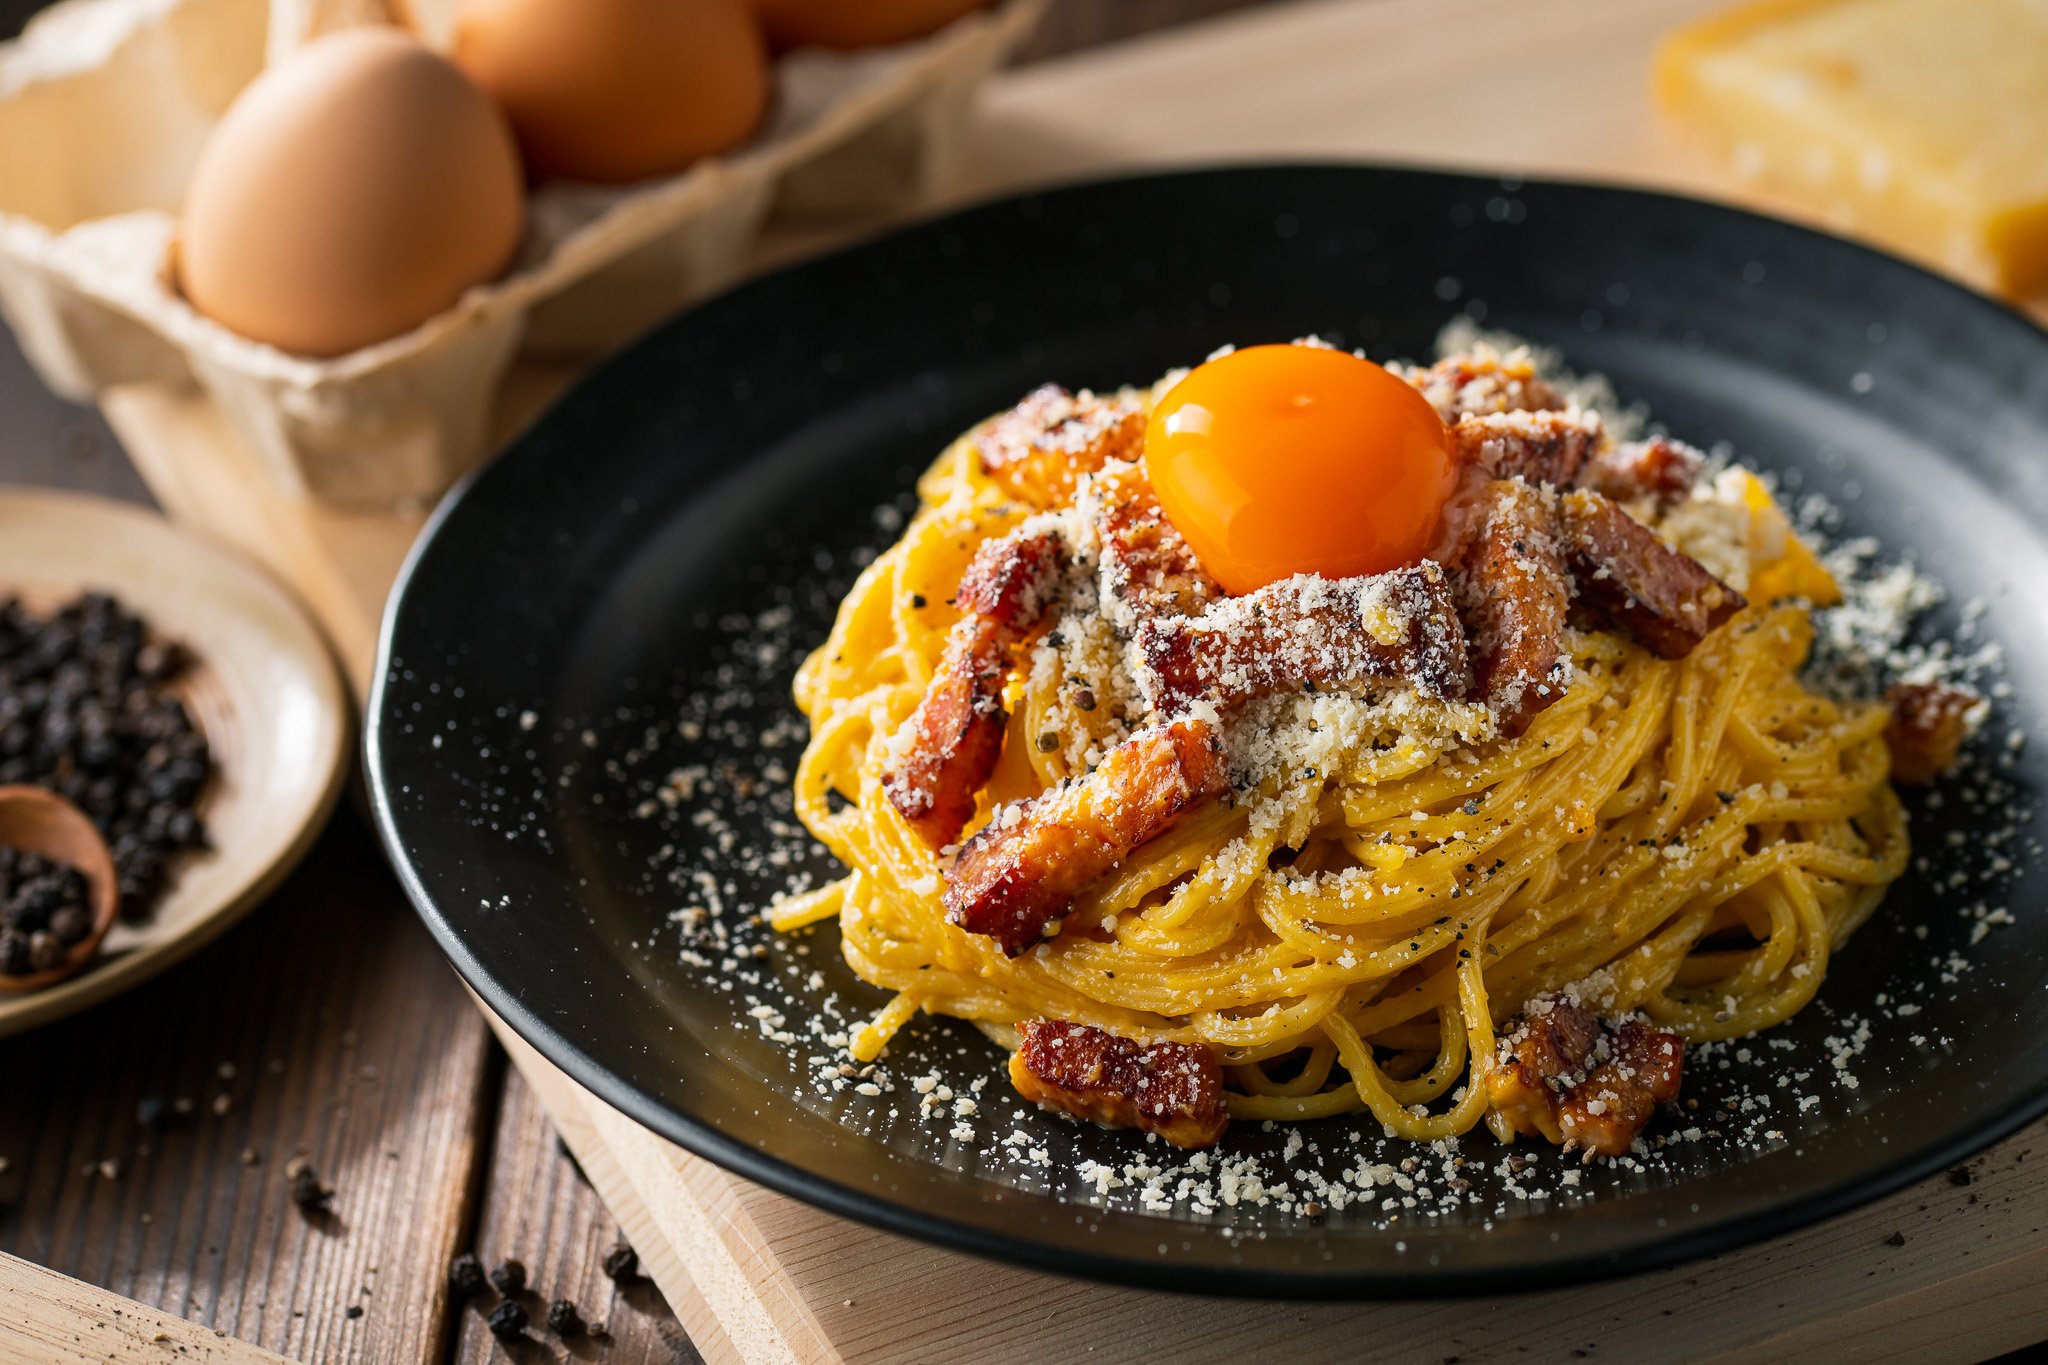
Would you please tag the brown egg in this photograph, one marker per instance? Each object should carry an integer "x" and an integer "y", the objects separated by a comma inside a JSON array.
[
  {"x": 349, "y": 194},
  {"x": 856, "y": 23},
  {"x": 617, "y": 90}
]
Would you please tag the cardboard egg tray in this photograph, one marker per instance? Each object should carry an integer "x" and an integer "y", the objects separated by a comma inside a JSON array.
[{"x": 105, "y": 105}]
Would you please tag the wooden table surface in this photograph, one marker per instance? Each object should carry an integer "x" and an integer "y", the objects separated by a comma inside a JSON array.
[{"x": 327, "y": 1028}]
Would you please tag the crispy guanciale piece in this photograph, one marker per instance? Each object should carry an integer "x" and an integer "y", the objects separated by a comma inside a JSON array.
[
  {"x": 1017, "y": 877},
  {"x": 1644, "y": 1069},
  {"x": 1513, "y": 594},
  {"x": 1929, "y": 723},
  {"x": 1658, "y": 468},
  {"x": 1172, "y": 1089},
  {"x": 1548, "y": 1041},
  {"x": 1560, "y": 1075},
  {"x": 1664, "y": 600},
  {"x": 1148, "y": 568},
  {"x": 1400, "y": 626},
  {"x": 1039, "y": 449},
  {"x": 1465, "y": 385},
  {"x": 944, "y": 751},
  {"x": 1541, "y": 447}
]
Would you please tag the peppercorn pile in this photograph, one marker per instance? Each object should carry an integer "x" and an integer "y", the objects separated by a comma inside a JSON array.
[
  {"x": 87, "y": 710},
  {"x": 508, "y": 1319},
  {"x": 43, "y": 911}
]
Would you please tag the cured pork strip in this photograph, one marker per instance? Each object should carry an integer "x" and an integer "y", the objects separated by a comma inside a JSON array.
[
  {"x": 1545, "y": 447},
  {"x": 1016, "y": 879},
  {"x": 1039, "y": 449},
  {"x": 1664, "y": 600},
  {"x": 943, "y": 753},
  {"x": 1514, "y": 594},
  {"x": 1172, "y": 1089},
  {"x": 1560, "y": 1074},
  {"x": 1398, "y": 627}
]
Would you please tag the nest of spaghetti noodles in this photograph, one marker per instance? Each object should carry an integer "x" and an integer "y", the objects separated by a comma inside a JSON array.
[{"x": 1392, "y": 864}]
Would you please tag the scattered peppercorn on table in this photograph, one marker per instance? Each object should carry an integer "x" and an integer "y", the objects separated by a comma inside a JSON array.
[{"x": 325, "y": 1047}]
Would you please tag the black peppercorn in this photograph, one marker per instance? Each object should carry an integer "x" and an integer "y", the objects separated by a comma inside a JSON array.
[
  {"x": 309, "y": 1194},
  {"x": 86, "y": 711},
  {"x": 71, "y": 924},
  {"x": 465, "y": 1276},
  {"x": 622, "y": 1264},
  {"x": 507, "y": 1321},
  {"x": 564, "y": 1320},
  {"x": 510, "y": 1278},
  {"x": 45, "y": 950},
  {"x": 44, "y": 903},
  {"x": 159, "y": 661}
]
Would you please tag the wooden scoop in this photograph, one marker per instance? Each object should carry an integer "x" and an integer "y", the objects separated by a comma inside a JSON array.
[{"x": 38, "y": 821}]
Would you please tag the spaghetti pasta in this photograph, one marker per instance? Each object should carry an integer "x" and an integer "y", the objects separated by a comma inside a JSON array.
[{"x": 1391, "y": 878}]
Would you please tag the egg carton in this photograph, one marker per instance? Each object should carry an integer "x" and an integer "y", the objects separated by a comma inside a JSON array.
[{"x": 105, "y": 105}]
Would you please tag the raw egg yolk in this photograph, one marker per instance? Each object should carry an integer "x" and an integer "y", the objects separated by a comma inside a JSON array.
[{"x": 1282, "y": 460}]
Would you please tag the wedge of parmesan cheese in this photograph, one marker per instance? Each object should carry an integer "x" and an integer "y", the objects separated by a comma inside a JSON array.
[{"x": 1921, "y": 123}]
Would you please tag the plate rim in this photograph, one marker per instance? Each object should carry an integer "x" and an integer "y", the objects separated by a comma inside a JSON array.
[
  {"x": 936, "y": 1227},
  {"x": 95, "y": 985}
]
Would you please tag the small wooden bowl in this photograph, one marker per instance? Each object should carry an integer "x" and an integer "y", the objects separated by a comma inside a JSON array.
[
  {"x": 42, "y": 822},
  {"x": 262, "y": 687}
]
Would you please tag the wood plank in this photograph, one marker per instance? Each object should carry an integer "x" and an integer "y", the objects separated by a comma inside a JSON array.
[
  {"x": 674, "y": 1223},
  {"x": 658, "y": 1256},
  {"x": 1072, "y": 25},
  {"x": 1483, "y": 84},
  {"x": 540, "y": 1209},
  {"x": 52, "y": 1319},
  {"x": 326, "y": 1027}
]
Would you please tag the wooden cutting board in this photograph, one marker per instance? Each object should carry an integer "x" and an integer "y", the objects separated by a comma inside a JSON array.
[{"x": 1503, "y": 85}]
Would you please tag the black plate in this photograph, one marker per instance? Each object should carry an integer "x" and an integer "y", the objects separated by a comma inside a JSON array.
[{"x": 559, "y": 645}]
